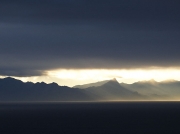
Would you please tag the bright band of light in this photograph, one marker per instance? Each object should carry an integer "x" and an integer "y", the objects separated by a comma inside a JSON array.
[
  {"x": 103, "y": 74},
  {"x": 82, "y": 76}
]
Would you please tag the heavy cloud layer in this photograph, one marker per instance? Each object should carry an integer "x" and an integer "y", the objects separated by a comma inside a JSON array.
[{"x": 41, "y": 35}]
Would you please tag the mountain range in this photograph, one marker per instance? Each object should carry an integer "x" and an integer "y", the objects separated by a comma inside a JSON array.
[{"x": 109, "y": 90}]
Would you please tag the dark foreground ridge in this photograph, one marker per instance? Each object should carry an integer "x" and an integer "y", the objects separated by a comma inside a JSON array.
[
  {"x": 16, "y": 90},
  {"x": 110, "y": 90}
]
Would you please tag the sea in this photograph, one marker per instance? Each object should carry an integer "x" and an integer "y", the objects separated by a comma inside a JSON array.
[{"x": 157, "y": 117}]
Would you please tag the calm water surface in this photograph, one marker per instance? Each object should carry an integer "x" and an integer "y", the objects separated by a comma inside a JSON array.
[{"x": 90, "y": 117}]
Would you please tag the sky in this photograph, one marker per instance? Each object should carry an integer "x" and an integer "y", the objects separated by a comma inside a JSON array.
[{"x": 78, "y": 41}]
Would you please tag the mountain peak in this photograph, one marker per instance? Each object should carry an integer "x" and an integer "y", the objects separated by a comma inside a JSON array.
[
  {"x": 152, "y": 81},
  {"x": 114, "y": 79},
  {"x": 9, "y": 78},
  {"x": 96, "y": 84}
]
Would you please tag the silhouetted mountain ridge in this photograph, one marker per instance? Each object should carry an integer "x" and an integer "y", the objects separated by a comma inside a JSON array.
[
  {"x": 112, "y": 90},
  {"x": 166, "y": 89},
  {"x": 15, "y": 90},
  {"x": 95, "y": 84}
]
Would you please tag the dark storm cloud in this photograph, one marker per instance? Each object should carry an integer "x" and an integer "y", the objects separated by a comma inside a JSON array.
[
  {"x": 39, "y": 35},
  {"x": 89, "y": 9},
  {"x": 20, "y": 72}
]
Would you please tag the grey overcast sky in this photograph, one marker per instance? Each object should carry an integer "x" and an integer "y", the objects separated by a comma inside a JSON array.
[{"x": 40, "y": 35}]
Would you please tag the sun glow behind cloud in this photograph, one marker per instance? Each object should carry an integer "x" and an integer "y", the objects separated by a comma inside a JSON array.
[
  {"x": 127, "y": 76},
  {"x": 82, "y": 76}
]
